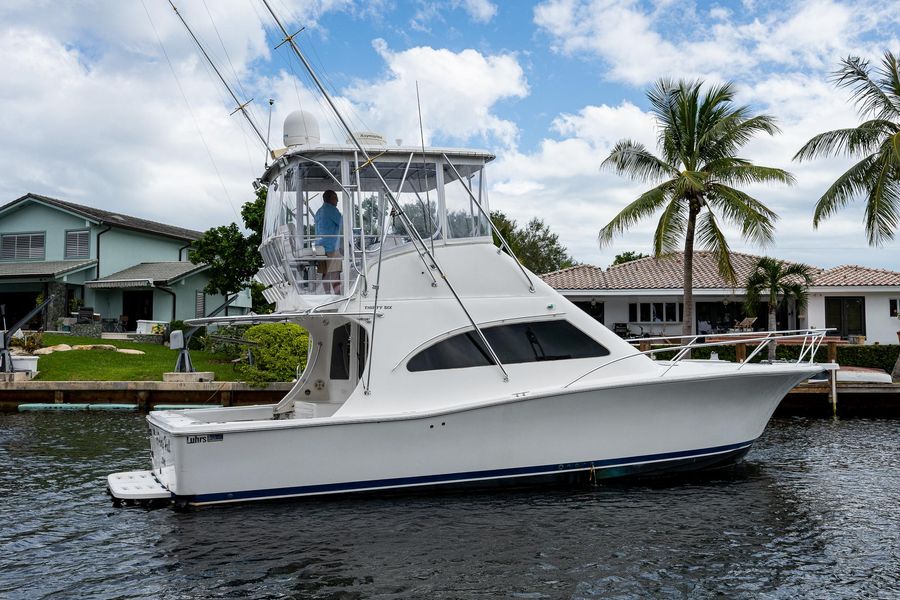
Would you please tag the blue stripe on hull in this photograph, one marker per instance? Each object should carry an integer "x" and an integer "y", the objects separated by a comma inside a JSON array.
[{"x": 381, "y": 484}]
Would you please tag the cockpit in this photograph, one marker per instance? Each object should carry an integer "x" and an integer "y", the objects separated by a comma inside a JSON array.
[{"x": 310, "y": 248}]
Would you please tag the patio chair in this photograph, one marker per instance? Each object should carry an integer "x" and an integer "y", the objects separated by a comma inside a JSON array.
[
  {"x": 746, "y": 324},
  {"x": 85, "y": 314},
  {"x": 122, "y": 324}
]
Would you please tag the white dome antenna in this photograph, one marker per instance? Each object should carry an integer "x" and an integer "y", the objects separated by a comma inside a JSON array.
[{"x": 301, "y": 129}]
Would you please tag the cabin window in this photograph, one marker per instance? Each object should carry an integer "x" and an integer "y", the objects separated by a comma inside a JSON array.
[
  {"x": 464, "y": 218},
  {"x": 77, "y": 244},
  {"x": 537, "y": 341},
  {"x": 22, "y": 246}
]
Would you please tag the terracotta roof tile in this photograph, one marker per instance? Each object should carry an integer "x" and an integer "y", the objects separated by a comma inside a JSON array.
[
  {"x": 854, "y": 275},
  {"x": 579, "y": 277},
  {"x": 667, "y": 272}
]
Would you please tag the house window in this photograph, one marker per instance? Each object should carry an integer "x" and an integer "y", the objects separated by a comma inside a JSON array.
[
  {"x": 200, "y": 305},
  {"x": 895, "y": 307},
  {"x": 515, "y": 343},
  {"x": 654, "y": 312},
  {"x": 22, "y": 246},
  {"x": 77, "y": 244}
]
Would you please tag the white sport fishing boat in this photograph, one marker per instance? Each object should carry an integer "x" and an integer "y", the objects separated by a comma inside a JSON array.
[{"x": 436, "y": 358}]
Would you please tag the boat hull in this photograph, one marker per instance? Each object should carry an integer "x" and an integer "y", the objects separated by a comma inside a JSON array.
[{"x": 623, "y": 430}]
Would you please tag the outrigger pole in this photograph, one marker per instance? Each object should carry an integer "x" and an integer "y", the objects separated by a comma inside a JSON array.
[
  {"x": 241, "y": 106},
  {"x": 414, "y": 234}
]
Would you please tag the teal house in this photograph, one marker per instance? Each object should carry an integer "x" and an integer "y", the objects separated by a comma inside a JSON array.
[{"x": 126, "y": 268}]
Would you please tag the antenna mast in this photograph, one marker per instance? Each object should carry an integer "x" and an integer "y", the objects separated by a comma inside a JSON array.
[
  {"x": 410, "y": 228},
  {"x": 241, "y": 106}
]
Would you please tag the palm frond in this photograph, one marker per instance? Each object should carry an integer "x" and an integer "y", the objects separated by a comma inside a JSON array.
[
  {"x": 749, "y": 173},
  {"x": 756, "y": 220},
  {"x": 882, "y": 212},
  {"x": 890, "y": 74},
  {"x": 868, "y": 96},
  {"x": 671, "y": 226},
  {"x": 853, "y": 183},
  {"x": 632, "y": 159},
  {"x": 863, "y": 139},
  {"x": 644, "y": 206},
  {"x": 712, "y": 238},
  {"x": 734, "y": 132}
]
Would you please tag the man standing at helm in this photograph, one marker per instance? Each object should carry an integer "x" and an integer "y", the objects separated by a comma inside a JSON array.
[{"x": 328, "y": 225}]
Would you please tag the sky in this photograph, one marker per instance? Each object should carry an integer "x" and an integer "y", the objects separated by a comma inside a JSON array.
[{"x": 108, "y": 102}]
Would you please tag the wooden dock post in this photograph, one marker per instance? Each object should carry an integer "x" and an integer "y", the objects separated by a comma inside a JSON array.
[
  {"x": 740, "y": 352},
  {"x": 59, "y": 397}
]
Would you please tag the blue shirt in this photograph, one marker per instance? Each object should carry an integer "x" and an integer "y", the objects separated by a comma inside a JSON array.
[{"x": 328, "y": 223}]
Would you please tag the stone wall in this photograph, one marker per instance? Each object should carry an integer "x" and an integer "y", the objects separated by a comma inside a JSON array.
[
  {"x": 87, "y": 329},
  {"x": 146, "y": 338}
]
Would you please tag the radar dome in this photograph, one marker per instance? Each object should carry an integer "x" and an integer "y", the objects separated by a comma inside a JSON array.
[{"x": 301, "y": 129}]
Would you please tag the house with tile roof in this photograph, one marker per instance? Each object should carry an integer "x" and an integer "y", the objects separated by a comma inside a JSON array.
[
  {"x": 645, "y": 297},
  {"x": 127, "y": 268}
]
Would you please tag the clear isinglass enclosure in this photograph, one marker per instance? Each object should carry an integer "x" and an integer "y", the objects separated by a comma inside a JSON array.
[{"x": 443, "y": 197}]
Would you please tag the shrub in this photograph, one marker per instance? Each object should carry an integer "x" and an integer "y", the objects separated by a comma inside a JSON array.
[
  {"x": 221, "y": 347},
  {"x": 280, "y": 348}
]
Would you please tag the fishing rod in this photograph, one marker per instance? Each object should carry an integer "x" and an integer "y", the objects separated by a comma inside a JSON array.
[
  {"x": 410, "y": 228},
  {"x": 241, "y": 106}
]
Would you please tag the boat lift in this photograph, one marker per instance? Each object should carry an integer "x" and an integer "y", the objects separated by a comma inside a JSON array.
[{"x": 6, "y": 365}]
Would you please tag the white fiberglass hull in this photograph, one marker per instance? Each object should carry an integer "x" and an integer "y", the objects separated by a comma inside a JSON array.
[{"x": 601, "y": 431}]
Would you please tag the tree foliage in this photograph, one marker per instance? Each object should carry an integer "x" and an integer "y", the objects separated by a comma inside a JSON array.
[
  {"x": 538, "y": 249},
  {"x": 629, "y": 256},
  {"x": 876, "y": 142},
  {"x": 778, "y": 282},
  {"x": 233, "y": 256},
  {"x": 696, "y": 175},
  {"x": 279, "y": 353}
]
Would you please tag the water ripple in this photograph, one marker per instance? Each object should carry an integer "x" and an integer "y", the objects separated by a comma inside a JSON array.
[{"x": 812, "y": 513}]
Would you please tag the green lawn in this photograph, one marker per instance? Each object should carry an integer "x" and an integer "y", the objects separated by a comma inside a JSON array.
[{"x": 105, "y": 365}]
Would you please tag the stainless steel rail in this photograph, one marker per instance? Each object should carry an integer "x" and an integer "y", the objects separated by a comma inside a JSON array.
[{"x": 811, "y": 341}]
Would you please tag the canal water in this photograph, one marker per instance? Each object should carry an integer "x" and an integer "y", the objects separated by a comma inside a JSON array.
[{"x": 814, "y": 512}]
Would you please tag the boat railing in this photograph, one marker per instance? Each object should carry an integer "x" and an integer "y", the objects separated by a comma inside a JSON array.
[{"x": 810, "y": 341}]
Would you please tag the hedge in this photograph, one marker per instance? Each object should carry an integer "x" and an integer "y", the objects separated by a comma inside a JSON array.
[{"x": 280, "y": 348}]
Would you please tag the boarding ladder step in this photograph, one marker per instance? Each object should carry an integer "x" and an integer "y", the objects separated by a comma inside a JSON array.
[{"x": 136, "y": 485}]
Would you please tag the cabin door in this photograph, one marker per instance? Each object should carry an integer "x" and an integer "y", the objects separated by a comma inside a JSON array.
[{"x": 349, "y": 345}]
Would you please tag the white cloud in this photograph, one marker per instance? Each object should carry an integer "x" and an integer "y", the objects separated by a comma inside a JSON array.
[
  {"x": 780, "y": 61},
  {"x": 481, "y": 11},
  {"x": 640, "y": 46},
  {"x": 458, "y": 92},
  {"x": 92, "y": 112}
]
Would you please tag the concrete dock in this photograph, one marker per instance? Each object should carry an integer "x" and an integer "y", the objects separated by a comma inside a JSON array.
[
  {"x": 146, "y": 394},
  {"x": 853, "y": 399}
]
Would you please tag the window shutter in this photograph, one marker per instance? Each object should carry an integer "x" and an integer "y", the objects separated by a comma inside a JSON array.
[
  {"x": 76, "y": 244},
  {"x": 200, "y": 305},
  {"x": 22, "y": 246}
]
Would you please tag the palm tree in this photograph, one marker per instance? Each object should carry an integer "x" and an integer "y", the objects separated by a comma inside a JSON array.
[
  {"x": 777, "y": 279},
  {"x": 876, "y": 177},
  {"x": 700, "y": 134}
]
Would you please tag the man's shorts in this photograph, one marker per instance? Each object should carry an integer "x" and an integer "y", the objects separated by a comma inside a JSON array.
[{"x": 331, "y": 264}]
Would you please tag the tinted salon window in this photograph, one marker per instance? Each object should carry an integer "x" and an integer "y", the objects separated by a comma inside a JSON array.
[{"x": 516, "y": 343}]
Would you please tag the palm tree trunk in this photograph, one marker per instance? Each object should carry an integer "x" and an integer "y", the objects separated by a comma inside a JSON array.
[
  {"x": 772, "y": 327},
  {"x": 687, "y": 317}
]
